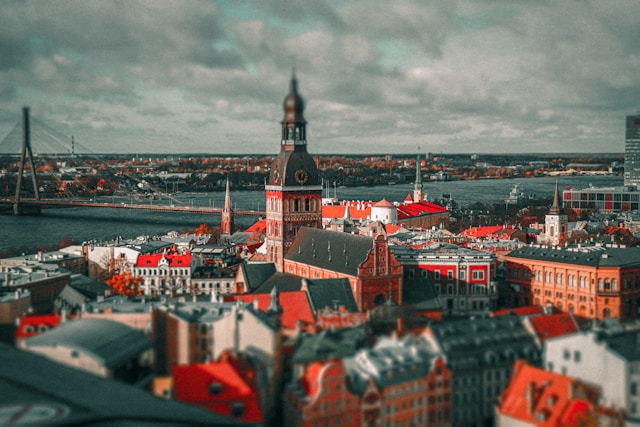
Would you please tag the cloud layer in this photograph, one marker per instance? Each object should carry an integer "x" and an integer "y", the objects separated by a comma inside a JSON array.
[{"x": 198, "y": 76}]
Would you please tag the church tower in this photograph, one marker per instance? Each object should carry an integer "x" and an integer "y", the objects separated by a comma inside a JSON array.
[
  {"x": 555, "y": 222},
  {"x": 294, "y": 193},
  {"x": 226, "y": 226},
  {"x": 418, "y": 190}
]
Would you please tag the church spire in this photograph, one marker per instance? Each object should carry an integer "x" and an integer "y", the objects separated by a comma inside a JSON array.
[
  {"x": 226, "y": 224},
  {"x": 555, "y": 207},
  {"x": 418, "y": 190},
  {"x": 294, "y": 133}
]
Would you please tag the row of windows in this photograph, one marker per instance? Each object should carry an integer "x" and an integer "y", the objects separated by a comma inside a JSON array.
[
  {"x": 161, "y": 272},
  {"x": 302, "y": 204}
]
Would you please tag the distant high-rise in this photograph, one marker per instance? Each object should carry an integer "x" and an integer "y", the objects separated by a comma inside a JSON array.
[{"x": 632, "y": 151}]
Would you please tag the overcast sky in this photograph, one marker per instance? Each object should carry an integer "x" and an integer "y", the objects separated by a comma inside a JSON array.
[{"x": 379, "y": 76}]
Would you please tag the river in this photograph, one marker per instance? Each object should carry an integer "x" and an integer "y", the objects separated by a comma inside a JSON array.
[{"x": 82, "y": 224}]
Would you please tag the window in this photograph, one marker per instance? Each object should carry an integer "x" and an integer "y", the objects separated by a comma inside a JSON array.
[
  {"x": 478, "y": 275},
  {"x": 576, "y": 356},
  {"x": 436, "y": 274},
  {"x": 450, "y": 274}
]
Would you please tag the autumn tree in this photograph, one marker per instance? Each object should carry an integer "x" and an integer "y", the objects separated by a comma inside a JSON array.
[{"x": 125, "y": 284}]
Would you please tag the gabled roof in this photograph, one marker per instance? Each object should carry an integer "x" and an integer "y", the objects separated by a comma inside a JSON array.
[
  {"x": 331, "y": 293},
  {"x": 356, "y": 211},
  {"x": 173, "y": 260},
  {"x": 109, "y": 342},
  {"x": 410, "y": 210},
  {"x": 30, "y": 326},
  {"x": 259, "y": 226},
  {"x": 552, "y": 325},
  {"x": 543, "y": 398},
  {"x": 219, "y": 387},
  {"x": 295, "y": 306},
  {"x": 255, "y": 274},
  {"x": 337, "y": 343},
  {"x": 284, "y": 281},
  {"x": 330, "y": 250}
]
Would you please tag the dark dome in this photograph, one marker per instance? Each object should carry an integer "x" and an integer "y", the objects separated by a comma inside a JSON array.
[
  {"x": 293, "y": 104},
  {"x": 293, "y": 169}
]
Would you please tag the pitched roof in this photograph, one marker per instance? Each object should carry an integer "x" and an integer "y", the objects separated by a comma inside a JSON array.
[
  {"x": 30, "y": 326},
  {"x": 109, "y": 342},
  {"x": 331, "y": 293},
  {"x": 552, "y": 325},
  {"x": 384, "y": 203},
  {"x": 173, "y": 260},
  {"x": 259, "y": 226},
  {"x": 220, "y": 387},
  {"x": 337, "y": 343},
  {"x": 420, "y": 293},
  {"x": 295, "y": 306},
  {"x": 594, "y": 256},
  {"x": 356, "y": 210},
  {"x": 255, "y": 274},
  {"x": 542, "y": 398},
  {"x": 416, "y": 209},
  {"x": 330, "y": 250},
  {"x": 284, "y": 281}
]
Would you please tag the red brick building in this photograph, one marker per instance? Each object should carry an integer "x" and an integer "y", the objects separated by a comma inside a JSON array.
[
  {"x": 294, "y": 193},
  {"x": 594, "y": 282},
  {"x": 375, "y": 275}
]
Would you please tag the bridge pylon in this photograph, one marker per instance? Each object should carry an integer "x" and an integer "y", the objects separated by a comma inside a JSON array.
[{"x": 21, "y": 208}]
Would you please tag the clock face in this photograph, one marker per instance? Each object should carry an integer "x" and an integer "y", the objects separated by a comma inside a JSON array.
[{"x": 301, "y": 176}]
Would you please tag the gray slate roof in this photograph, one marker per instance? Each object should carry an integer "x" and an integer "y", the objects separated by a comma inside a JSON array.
[
  {"x": 330, "y": 250},
  {"x": 256, "y": 274},
  {"x": 338, "y": 343},
  {"x": 593, "y": 256},
  {"x": 473, "y": 343},
  {"x": 110, "y": 342},
  {"x": 331, "y": 293},
  {"x": 286, "y": 282},
  {"x": 420, "y": 293}
]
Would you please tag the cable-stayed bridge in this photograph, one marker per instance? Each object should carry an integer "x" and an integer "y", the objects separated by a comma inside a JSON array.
[{"x": 51, "y": 143}]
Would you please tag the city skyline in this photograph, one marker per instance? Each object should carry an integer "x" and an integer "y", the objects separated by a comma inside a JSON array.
[{"x": 210, "y": 77}]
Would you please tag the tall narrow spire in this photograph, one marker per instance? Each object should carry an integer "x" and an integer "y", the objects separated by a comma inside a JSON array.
[
  {"x": 555, "y": 207},
  {"x": 226, "y": 224},
  {"x": 418, "y": 189}
]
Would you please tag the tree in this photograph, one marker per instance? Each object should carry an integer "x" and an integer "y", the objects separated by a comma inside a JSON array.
[
  {"x": 125, "y": 284},
  {"x": 203, "y": 229}
]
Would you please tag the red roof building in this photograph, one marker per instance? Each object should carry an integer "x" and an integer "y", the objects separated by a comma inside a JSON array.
[
  {"x": 30, "y": 326},
  {"x": 295, "y": 306},
  {"x": 166, "y": 273},
  {"x": 536, "y": 397},
  {"x": 551, "y": 325},
  {"x": 226, "y": 387}
]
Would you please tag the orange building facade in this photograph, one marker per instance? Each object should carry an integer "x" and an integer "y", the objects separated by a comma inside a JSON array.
[{"x": 594, "y": 282}]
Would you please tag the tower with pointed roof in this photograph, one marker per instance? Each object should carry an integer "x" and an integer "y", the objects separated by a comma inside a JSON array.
[
  {"x": 294, "y": 192},
  {"x": 418, "y": 190},
  {"x": 555, "y": 222},
  {"x": 226, "y": 226}
]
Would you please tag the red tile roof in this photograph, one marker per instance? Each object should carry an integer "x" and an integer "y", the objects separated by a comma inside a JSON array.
[
  {"x": 295, "y": 306},
  {"x": 174, "y": 259},
  {"x": 410, "y": 210},
  {"x": 543, "y": 398},
  {"x": 553, "y": 325},
  {"x": 356, "y": 210},
  {"x": 259, "y": 226},
  {"x": 485, "y": 231},
  {"x": 219, "y": 387},
  {"x": 30, "y": 326}
]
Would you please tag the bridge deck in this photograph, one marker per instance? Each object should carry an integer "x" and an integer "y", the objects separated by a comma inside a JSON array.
[{"x": 148, "y": 207}]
